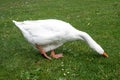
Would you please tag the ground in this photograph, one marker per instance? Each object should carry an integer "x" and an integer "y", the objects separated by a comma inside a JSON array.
[{"x": 99, "y": 18}]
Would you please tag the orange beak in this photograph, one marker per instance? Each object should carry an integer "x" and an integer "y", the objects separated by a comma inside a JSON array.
[{"x": 105, "y": 54}]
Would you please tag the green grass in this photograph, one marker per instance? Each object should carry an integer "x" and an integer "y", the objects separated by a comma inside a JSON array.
[{"x": 100, "y": 18}]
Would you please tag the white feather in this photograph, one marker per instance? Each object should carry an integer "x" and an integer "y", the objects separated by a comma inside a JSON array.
[{"x": 51, "y": 34}]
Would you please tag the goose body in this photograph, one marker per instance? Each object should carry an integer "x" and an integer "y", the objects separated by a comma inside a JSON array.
[{"x": 52, "y": 33}]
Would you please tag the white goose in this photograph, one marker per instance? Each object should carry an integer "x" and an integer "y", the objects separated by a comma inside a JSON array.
[{"x": 47, "y": 35}]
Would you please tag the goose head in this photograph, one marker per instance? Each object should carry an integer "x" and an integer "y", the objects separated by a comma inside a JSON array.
[
  {"x": 105, "y": 54},
  {"x": 93, "y": 44}
]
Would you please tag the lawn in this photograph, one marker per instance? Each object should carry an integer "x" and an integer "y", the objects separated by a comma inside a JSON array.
[{"x": 99, "y": 18}]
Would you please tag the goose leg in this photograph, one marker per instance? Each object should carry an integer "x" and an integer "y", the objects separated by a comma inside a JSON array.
[
  {"x": 41, "y": 50},
  {"x": 55, "y": 55}
]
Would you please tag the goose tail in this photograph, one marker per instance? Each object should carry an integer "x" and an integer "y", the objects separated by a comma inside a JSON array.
[
  {"x": 14, "y": 21},
  {"x": 19, "y": 25}
]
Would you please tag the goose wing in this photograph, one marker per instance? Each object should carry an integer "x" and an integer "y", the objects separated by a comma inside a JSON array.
[{"x": 45, "y": 32}]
